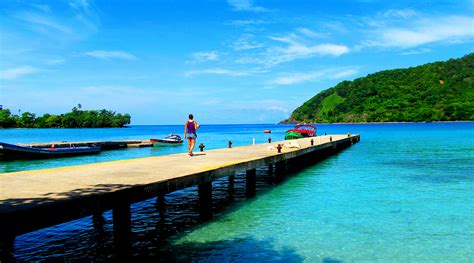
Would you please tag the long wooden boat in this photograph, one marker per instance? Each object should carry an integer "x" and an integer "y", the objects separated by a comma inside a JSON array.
[{"x": 15, "y": 152}]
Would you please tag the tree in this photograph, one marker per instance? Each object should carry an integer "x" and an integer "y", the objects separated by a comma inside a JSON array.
[
  {"x": 74, "y": 119},
  {"x": 27, "y": 120},
  {"x": 6, "y": 119}
]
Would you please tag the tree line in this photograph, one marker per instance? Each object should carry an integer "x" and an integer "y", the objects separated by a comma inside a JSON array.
[
  {"x": 77, "y": 118},
  {"x": 440, "y": 91}
]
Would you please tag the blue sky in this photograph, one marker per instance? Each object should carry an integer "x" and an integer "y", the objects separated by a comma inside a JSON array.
[{"x": 235, "y": 61}]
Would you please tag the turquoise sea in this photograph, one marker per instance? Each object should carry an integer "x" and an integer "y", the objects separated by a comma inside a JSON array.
[{"x": 404, "y": 193}]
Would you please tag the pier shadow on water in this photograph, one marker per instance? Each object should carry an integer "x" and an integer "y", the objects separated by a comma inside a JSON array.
[{"x": 245, "y": 249}]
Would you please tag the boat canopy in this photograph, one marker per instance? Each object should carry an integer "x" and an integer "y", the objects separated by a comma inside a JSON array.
[{"x": 305, "y": 129}]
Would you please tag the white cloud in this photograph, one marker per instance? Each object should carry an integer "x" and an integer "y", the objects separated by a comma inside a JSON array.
[
  {"x": 246, "y": 42},
  {"x": 43, "y": 7},
  {"x": 248, "y": 22},
  {"x": 17, "y": 72},
  {"x": 55, "y": 61},
  {"x": 221, "y": 71},
  {"x": 43, "y": 23},
  {"x": 415, "y": 51},
  {"x": 309, "y": 33},
  {"x": 343, "y": 74},
  {"x": 426, "y": 30},
  {"x": 297, "y": 50},
  {"x": 399, "y": 13},
  {"x": 80, "y": 5},
  {"x": 104, "y": 54},
  {"x": 246, "y": 5},
  {"x": 296, "y": 78},
  {"x": 296, "y": 45},
  {"x": 204, "y": 56}
]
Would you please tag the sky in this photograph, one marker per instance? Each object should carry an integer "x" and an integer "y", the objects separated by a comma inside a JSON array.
[{"x": 234, "y": 61}]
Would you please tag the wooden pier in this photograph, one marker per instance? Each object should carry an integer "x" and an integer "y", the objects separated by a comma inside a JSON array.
[{"x": 32, "y": 200}]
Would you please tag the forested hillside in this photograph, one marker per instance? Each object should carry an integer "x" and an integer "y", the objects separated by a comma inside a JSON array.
[{"x": 440, "y": 91}]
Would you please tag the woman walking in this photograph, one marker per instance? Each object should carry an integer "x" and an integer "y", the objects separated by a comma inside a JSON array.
[{"x": 190, "y": 128}]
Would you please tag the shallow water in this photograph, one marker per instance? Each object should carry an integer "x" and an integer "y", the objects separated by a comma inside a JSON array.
[{"x": 404, "y": 193}]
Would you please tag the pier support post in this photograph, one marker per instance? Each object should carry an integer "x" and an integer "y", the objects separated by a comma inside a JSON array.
[
  {"x": 122, "y": 227},
  {"x": 270, "y": 174},
  {"x": 6, "y": 246},
  {"x": 231, "y": 187},
  {"x": 98, "y": 222},
  {"x": 279, "y": 171},
  {"x": 250, "y": 182},
  {"x": 161, "y": 208},
  {"x": 205, "y": 200},
  {"x": 161, "y": 205}
]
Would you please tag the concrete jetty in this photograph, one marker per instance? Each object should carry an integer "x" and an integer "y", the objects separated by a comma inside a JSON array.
[{"x": 31, "y": 200}]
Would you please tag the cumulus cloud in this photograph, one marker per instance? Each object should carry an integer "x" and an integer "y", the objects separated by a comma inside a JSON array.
[
  {"x": 17, "y": 72},
  {"x": 104, "y": 54}
]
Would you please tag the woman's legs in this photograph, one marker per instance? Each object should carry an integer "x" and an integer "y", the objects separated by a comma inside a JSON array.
[{"x": 193, "y": 142}]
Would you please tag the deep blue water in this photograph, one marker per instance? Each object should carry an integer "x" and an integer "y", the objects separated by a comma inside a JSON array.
[{"x": 405, "y": 193}]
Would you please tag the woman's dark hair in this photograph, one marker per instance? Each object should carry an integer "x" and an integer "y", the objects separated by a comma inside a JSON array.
[{"x": 191, "y": 116}]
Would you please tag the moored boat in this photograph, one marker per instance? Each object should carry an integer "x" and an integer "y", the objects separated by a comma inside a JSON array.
[
  {"x": 301, "y": 131},
  {"x": 172, "y": 139},
  {"x": 16, "y": 152}
]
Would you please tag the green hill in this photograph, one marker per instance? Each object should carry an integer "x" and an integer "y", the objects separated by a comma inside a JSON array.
[{"x": 440, "y": 91}]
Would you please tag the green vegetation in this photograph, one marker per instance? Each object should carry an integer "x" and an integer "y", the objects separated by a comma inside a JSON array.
[
  {"x": 441, "y": 91},
  {"x": 77, "y": 118},
  {"x": 330, "y": 102}
]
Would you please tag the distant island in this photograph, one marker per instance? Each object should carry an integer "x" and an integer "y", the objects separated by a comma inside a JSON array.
[
  {"x": 440, "y": 91},
  {"x": 77, "y": 118}
]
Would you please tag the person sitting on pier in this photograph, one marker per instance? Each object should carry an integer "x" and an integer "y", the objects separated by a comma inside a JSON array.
[{"x": 190, "y": 128}]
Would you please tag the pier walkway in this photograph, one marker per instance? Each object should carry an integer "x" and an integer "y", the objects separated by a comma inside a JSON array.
[{"x": 31, "y": 200}]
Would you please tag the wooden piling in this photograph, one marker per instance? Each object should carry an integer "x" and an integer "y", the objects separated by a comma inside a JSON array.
[
  {"x": 205, "y": 200},
  {"x": 250, "y": 182},
  {"x": 230, "y": 189},
  {"x": 122, "y": 227}
]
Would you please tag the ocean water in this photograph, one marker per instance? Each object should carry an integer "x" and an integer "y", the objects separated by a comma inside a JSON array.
[{"x": 404, "y": 193}]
